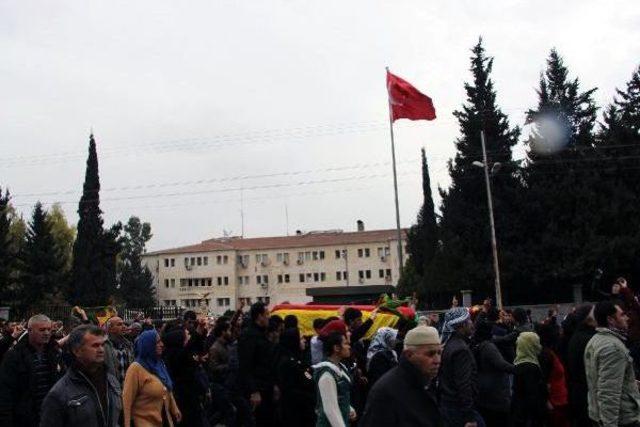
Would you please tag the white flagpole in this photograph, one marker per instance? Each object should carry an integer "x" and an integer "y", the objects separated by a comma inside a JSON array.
[{"x": 395, "y": 184}]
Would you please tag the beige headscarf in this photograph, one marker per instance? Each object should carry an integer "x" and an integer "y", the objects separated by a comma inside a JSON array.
[{"x": 528, "y": 348}]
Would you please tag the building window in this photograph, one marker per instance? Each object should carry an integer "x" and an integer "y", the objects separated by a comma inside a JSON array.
[
  {"x": 381, "y": 273},
  {"x": 225, "y": 259},
  {"x": 186, "y": 261},
  {"x": 286, "y": 278},
  {"x": 367, "y": 253},
  {"x": 338, "y": 254},
  {"x": 166, "y": 262},
  {"x": 219, "y": 281},
  {"x": 166, "y": 283},
  {"x": 307, "y": 256},
  {"x": 345, "y": 275},
  {"x": 316, "y": 277},
  {"x": 173, "y": 264},
  {"x": 190, "y": 281},
  {"x": 321, "y": 254},
  {"x": 247, "y": 301},
  {"x": 219, "y": 259},
  {"x": 226, "y": 280},
  {"x": 280, "y": 278},
  {"x": 205, "y": 260},
  {"x": 309, "y": 277},
  {"x": 338, "y": 275},
  {"x": 315, "y": 255},
  {"x": 262, "y": 280},
  {"x": 264, "y": 300},
  {"x": 301, "y": 278},
  {"x": 261, "y": 258},
  {"x": 173, "y": 283},
  {"x": 224, "y": 302},
  {"x": 323, "y": 277},
  {"x": 193, "y": 261},
  {"x": 361, "y": 274},
  {"x": 183, "y": 283},
  {"x": 209, "y": 281},
  {"x": 199, "y": 259},
  {"x": 368, "y": 274},
  {"x": 360, "y": 253}
]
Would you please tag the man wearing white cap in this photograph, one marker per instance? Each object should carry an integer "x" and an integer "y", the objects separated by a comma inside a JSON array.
[{"x": 405, "y": 395}]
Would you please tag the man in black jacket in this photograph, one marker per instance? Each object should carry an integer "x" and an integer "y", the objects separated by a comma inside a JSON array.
[
  {"x": 256, "y": 370},
  {"x": 576, "y": 376},
  {"x": 28, "y": 372},
  {"x": 88, "y": 395},
  {"x": 404, "y": 396},
  {"x": 458, "y": 375}
]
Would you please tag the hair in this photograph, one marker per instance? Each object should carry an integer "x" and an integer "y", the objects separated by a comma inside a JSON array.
[
  {"x": 38, "y": 318},
  {"x": 602, "y": 311},
  {"x": 351, "y": 314},
  {"x": 257, "y": 309},
  {"x": 582, "y": 312},
  {"x": 290, "y": 321},
  {"x": 319, "y": 323},
  {"x": 493, "y": 315},
  {"x": 222, "y": 325},
  {"x": 76, "y": 337},
  {"x": 189, "y": 315},
  {"x": 519, "y": 315},
  {"x": 275, "y": 322},
  {"x": 330, "y": 341},
  {"x": 549, "y": 335}
]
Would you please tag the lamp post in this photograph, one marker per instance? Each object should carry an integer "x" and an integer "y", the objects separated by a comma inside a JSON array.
[{"x": 494, "y": 245}]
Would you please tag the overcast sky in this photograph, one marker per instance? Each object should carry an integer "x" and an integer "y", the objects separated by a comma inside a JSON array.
[{"x": 192, "y": 101}]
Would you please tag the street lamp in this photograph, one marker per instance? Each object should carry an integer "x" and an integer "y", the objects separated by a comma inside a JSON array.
[{"x": 494, "y": 245}]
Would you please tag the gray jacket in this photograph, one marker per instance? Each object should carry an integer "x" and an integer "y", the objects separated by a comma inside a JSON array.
[
  {"x": 613, "y": 394},
  {"x": 74, "y": 402}
]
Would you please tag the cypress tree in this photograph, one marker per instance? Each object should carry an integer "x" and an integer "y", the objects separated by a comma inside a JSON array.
[
  {"x": 465, "y": 259},
  {"x": 94, "y": 251},
  {"x": 422, "y": 241},
  {"x": 40, "y": 264},
  {"x": 7, "y": 256},
  {"x": 563, "y": 186}
]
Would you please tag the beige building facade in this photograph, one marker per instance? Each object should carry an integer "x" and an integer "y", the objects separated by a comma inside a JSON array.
[{"x": 217, "y": 274}]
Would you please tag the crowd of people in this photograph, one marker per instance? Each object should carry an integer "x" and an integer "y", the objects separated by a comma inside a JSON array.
[{"x": 463, "y": 368}]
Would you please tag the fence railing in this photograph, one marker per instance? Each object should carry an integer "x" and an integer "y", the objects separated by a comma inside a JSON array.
[{"x": 62, "y": 312}]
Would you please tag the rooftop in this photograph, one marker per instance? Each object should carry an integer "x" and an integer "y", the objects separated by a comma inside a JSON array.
[{"x": 302, "y": 240}]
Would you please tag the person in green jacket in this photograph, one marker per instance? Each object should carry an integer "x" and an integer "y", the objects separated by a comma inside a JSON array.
[{"x": 613, "y": 395}]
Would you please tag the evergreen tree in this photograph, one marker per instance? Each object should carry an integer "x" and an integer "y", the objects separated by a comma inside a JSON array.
[
  {"x": 465, "y": 259},
  {"x": 94, "y": 251},
  {"x": 422, "y": 241},
  {"x": 136, "y": 281},
  {"x": 564, "y": 189},
  {"x": 40, "y": 264},
  {"x": 64, "y": 235},
  {"x": 7, "y": 255}
]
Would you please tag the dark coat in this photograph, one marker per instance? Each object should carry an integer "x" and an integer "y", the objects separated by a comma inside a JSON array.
[
  {"x": 381, "y": 363},
  {"x": 17, "y": 383},
  {"x": 401, "y": 398},
  {"x": 74, "y": 402},
  {"x": 494, "y": 387},
  {"x": 576, "y": 376},
  {"x": 528, "y": 406},
  {"x": 458, "y": 377},
  {"x": 255, "y": 356},
  {"x": 297, "y": 388}
]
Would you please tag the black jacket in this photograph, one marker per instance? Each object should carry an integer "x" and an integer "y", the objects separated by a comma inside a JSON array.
[
  {"x": 255, "y": 356},
  {"x": 17, "y": 383},
  {"x": 74, "y": 402},
  {"x": 528, "y": 406},
  {"x": 494, "y": 387},
  {"x": 401, "y": 398},
  {"x": 576, "y": 376},
  {"x": 458, "y": 376},
  {"x": 298, "y": 399}
]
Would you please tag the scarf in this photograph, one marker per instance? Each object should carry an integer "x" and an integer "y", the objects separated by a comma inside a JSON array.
[
  {"x": 384, "y": 339},
  {"x": 147, "y": 357},
  {"x": 453, "y": 317},
  {"x": 528, "y": 348}
]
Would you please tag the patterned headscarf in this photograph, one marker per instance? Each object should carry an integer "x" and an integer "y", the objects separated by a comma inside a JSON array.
[
  {"x": 453, "y": 317},
  {"x": 384, "y": 339}
]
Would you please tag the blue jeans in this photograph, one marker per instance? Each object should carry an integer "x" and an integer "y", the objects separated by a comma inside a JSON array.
[{"x": 453, "y": 417}]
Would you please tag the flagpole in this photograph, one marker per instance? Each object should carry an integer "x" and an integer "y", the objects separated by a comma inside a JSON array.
[{"x": 395, "y": 184}]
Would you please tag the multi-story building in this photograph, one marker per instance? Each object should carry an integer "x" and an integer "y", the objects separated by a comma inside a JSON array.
[{"x": 217, "y": 274}]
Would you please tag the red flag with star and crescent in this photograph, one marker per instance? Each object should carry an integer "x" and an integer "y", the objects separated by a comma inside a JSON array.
[{"x": 407, "y": 102}]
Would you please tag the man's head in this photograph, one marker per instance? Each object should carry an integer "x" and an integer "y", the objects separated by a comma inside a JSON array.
[
  {"x": 423, "y": 350},
  {"x": 353, "y": 318},
  {"x": 86, "y": 343},
  {"x": 615, "y": 288},
  {"x": 222, "y": 329},
  {"x": 134, "y": 330},
  {"x": 116, "y": 326},
  {"x": 584, "y": 315},
  {"x": 520, "y": 316},
  {"x": 189, "y": 318},
  {"x": 610, "y": 315},
  {"x": 459, "y": 320},
  {"x": 259, "y": 314},
  {"x": 318, "y": 324},
  {"x": 39, "y": 328}
]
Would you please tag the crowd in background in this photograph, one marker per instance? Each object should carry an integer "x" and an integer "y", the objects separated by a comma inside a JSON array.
[{"x": 465, "y": 368}]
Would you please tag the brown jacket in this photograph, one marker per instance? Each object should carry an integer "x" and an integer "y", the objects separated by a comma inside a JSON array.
[{"x": 145, "y": 397}]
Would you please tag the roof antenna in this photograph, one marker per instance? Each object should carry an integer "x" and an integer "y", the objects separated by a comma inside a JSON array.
[
  {"x": 242, "y": 211},
  {"x": 286, "y": 216}
]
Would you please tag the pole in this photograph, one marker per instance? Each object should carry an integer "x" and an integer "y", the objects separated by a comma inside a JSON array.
[
  {"x": 395, "y": 185},
  {"x": 494, "y": 244}
]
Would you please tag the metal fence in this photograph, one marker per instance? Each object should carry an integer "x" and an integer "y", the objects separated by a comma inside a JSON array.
[{"x": 62, "y": 312}]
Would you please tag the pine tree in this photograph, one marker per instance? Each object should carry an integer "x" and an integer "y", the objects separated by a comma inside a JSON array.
[
  {"x": 7, "y": 255},
  {"x": 136, "y": 281},
  {"x": 64, "y": 236},
  {"x": 422, "y": 241},
  {"x": 465, "y": 259},
  {"x": 94, "y": 251},
  {"x": 563, "y": 186},
  {"x": 40, "y": 264}
]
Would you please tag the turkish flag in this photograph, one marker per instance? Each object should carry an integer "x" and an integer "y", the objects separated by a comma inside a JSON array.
[{"x": 407, "y": 102}]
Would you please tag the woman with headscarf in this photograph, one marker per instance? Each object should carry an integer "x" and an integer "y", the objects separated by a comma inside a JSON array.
[
  {"x": 381, "y": 356},
  {"x": 147, "y": 393},
  {"x": 494, "y": 387},
  {"x": 296, "y": 384},
  {"x": 529, "y": 404},
  {"x": 182, "y": 367}
]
